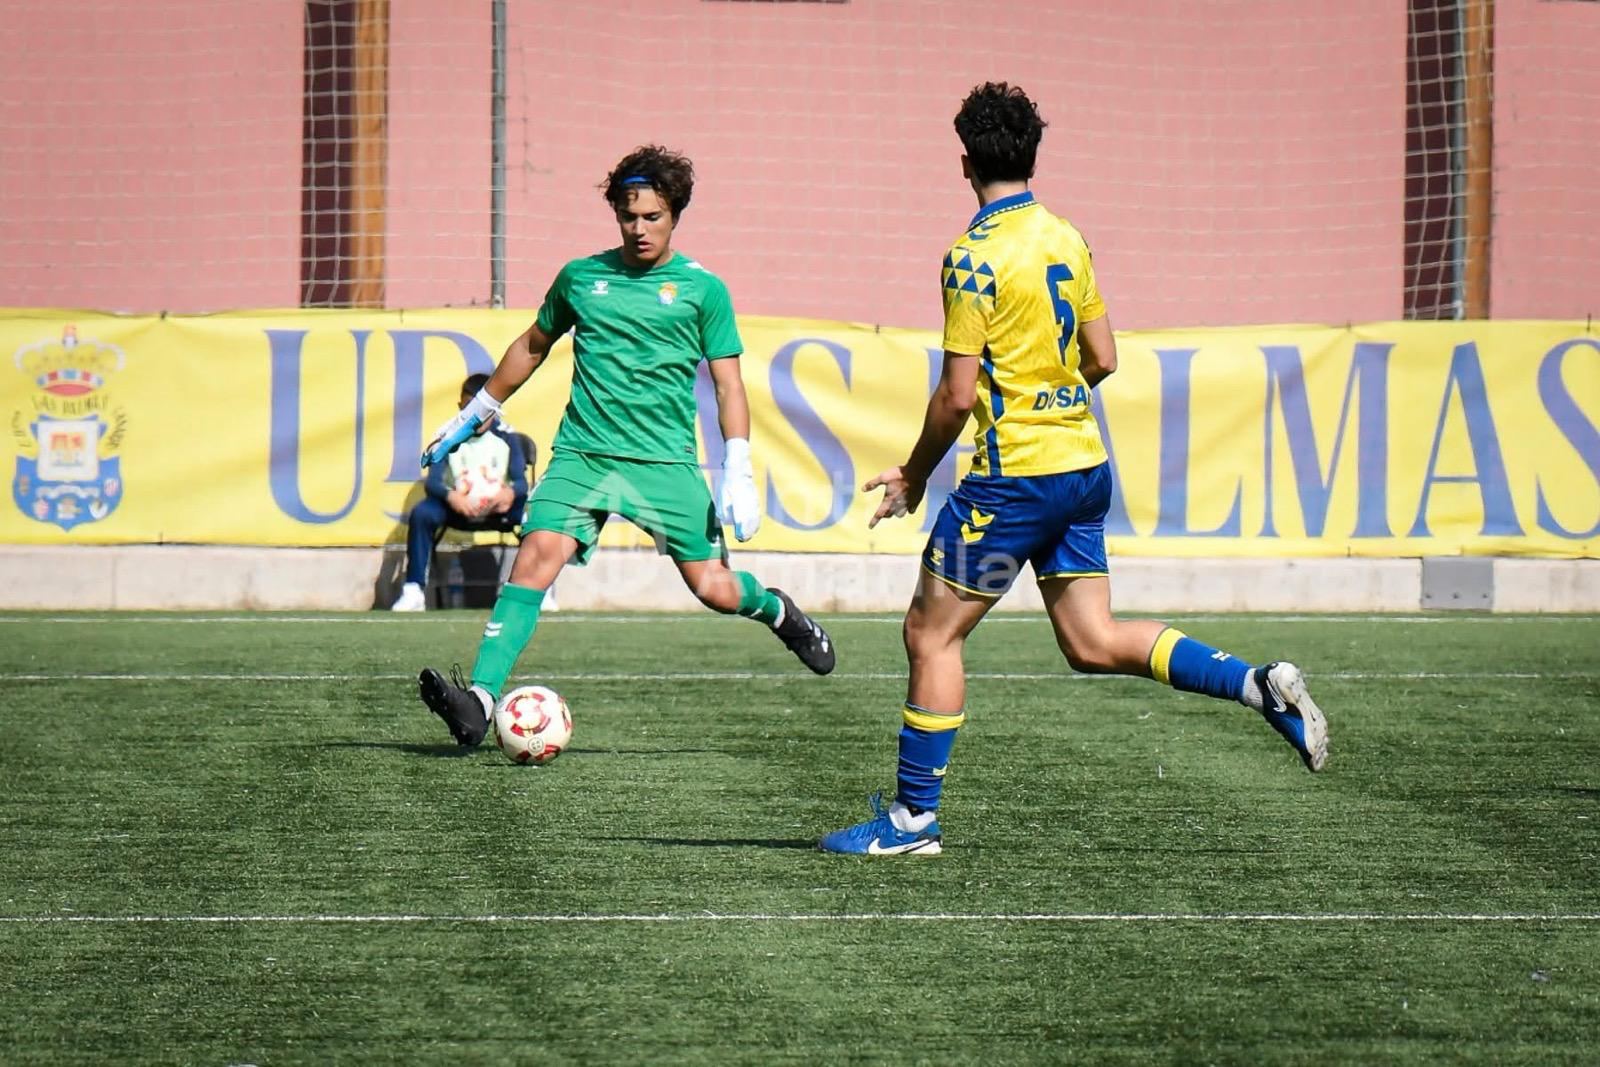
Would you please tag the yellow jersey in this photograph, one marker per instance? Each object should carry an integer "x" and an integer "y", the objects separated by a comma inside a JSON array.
[{"x": 1017, "y": 285}]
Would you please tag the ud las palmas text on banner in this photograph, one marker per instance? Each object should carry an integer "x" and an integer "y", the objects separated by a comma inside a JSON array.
[{"x": 297, "y": 428}]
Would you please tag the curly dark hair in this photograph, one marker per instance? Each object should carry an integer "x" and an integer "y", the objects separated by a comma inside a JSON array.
[
  {"x": 669, "y": 173},
  {"x": 1000, "y": 128}
]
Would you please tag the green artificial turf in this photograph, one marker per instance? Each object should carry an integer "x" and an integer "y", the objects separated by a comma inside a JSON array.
[{"x": 241, "y": 839}]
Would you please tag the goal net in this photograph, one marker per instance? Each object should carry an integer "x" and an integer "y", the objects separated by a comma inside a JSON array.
[{"x": 1234, "y": 162}]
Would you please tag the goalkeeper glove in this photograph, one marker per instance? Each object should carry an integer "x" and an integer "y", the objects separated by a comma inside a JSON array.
[
  {"x": 740, "y": 507},
  {"x": 479, "y": 410}
]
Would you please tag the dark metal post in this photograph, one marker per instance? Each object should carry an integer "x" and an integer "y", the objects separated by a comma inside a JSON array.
[
  {"x": 497, "y": 165},
  {"x": 1477, "y": 60}
]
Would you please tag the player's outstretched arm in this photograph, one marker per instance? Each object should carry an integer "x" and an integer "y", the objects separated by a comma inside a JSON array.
[
  {"x": 521, "y": 359},
  {"x": 948, "y": 408},
  {"x": 738, "y": 503}
]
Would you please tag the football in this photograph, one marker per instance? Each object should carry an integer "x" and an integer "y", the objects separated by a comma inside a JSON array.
[
  {"x": 480, "y": 486},
  {"x": 532, "y": 724}
]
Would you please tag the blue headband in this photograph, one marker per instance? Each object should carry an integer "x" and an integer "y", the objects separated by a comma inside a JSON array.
[{"x": 637, "y": 179}]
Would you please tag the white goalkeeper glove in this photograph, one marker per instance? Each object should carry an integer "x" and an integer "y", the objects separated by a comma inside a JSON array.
[
  {"x": 479, "y": 410},
  {"x": 739, "y": 505}
]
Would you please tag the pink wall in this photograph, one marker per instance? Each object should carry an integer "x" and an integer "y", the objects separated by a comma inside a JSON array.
[
  {"x": 150, "y": 154},
  {"x": 1545, "y": 260},
  {"x": 1244, "y": 165},
  {"x": 439, "y": 130}
]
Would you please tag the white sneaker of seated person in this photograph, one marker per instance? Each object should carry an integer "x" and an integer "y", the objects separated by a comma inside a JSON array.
[{"x": 412, "y": 598}]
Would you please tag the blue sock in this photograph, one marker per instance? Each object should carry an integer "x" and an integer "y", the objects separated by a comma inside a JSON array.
[
  {"x": 1186, "y": 664},
  {"x": 925, "y": 743}
]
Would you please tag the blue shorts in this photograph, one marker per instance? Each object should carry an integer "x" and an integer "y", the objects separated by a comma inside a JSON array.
[{"x": 990, "y": 526}]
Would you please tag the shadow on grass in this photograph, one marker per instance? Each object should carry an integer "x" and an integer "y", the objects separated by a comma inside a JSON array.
[
  {"x": 438, "y": 751},
  {"x": 1179, "y": 849},
  {"x": 720, "y": 842},
  {"x": 450, "y": 750},
  {"x": 642, "y": 751}
]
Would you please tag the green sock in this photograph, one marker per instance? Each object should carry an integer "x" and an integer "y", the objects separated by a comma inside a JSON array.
[
  {"x": 756, "y": 601},
  {"x": 511, "y": 626}
]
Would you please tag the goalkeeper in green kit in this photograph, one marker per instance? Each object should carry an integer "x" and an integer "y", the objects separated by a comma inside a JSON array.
[{"x": 643, "y": 317}]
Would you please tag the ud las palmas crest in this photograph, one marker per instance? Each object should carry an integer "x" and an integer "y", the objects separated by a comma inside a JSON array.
[{"x": 68, "y": 432}]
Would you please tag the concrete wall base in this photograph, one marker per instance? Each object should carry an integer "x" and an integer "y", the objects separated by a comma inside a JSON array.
[{"x": 225, "y": 578}]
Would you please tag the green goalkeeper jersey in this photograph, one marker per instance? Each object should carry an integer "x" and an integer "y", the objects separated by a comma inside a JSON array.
[{"x": 639, "y": 334}]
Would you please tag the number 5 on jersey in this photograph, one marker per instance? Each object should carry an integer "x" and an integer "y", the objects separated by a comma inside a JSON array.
[{"x": 1056, "y": 277}]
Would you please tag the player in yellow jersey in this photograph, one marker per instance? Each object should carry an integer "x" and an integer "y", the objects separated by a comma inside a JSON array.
[{"x": 1026, "y": 338}]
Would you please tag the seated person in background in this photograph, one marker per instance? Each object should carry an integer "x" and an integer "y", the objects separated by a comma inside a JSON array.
[{"x": 483, "y": 486}]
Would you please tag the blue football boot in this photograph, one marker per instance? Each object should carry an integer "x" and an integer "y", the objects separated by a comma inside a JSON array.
[
  {"x": 878, "y": 836},
  {"x": 1289, "y": 708}
]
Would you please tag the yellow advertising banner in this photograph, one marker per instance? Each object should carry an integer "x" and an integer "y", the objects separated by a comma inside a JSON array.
[{"x": 304, "y": 427}]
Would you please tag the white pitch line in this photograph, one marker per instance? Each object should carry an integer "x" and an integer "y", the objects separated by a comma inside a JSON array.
[
  {"x": 852, "y": 917},
  {"x": 648, "y": 618},
  {"x": 666, "y": 676},
  {"x": 746, "y": 676}
]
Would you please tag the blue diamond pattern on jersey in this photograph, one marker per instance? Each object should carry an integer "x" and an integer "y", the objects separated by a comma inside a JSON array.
[
  {"x": 983, "y": 271},
  {"x": 967, "y": 280}
]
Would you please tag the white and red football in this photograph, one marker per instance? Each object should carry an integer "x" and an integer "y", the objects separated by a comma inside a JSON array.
[
  {"x": 479, "y": 485},
  {"x": 532, "y": 724}
]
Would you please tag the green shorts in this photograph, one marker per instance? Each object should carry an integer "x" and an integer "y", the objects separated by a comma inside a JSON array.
[{"x": 668, "y": 501}]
